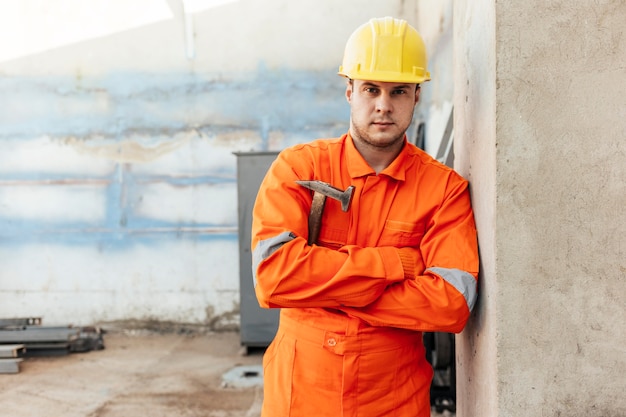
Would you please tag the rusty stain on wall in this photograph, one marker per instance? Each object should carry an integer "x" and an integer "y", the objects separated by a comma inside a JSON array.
[{"x": 131, "y": 150}]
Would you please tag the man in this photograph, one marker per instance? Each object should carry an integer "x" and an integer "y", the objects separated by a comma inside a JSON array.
[{"x": 401, "y": 260}]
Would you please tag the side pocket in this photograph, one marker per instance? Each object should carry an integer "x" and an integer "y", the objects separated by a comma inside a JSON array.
[{"x": 277, "y": 376}]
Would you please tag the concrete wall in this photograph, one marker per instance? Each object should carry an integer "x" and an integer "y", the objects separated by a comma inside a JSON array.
[
  {"x": 118, "y": 125},
  {"x": 540, "y": 89}
]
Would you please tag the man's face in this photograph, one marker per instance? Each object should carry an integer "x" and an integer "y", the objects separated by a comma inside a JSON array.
[{"x": 381, "y": 112}]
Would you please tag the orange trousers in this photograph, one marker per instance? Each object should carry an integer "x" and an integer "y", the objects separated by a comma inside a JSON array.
[{"x": 377, "y": 372}]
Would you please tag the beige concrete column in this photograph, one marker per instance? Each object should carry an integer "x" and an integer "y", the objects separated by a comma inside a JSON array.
[{"x": 540, "y": 131}]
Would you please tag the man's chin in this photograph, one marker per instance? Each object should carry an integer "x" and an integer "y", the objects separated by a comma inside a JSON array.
[{"x": 384, "y": 141}]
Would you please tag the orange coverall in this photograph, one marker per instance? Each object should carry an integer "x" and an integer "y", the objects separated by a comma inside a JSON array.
[{"x": 402, "y": 260}]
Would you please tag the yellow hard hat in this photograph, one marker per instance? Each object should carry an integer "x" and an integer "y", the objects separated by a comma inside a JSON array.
[{"x": 385, "y": 49}]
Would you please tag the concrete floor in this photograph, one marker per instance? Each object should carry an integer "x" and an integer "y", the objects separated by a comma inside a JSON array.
[{"x": 140, "y": 373}]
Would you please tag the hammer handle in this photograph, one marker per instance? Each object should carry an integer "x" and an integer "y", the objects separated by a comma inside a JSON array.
[{"x": 315, "y": 216}]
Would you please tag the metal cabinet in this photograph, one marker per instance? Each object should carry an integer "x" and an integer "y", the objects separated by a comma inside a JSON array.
[{"x": 258, "y": 325}]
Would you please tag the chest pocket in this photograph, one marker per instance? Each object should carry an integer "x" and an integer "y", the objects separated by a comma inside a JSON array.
[
  {"x": 333, "y": 236},
  {"x": 400, "y": 234}
]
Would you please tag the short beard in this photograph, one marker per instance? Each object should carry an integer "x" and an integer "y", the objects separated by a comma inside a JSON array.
[{"x": 364, "y": 138}]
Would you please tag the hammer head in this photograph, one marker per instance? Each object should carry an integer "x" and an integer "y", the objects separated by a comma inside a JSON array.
[{"x": 343, "y": 196}]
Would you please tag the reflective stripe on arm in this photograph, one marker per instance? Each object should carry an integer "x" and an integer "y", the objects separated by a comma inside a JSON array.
[
  {"x": 463, "y": 281},
  {"x": 267, "y": 247}
]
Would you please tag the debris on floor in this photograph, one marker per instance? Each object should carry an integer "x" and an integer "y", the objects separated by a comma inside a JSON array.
[
  {"x": 26, "y": 337},
  {"x": 10, "y": 358},
  {"x": 243, "y": 377}
]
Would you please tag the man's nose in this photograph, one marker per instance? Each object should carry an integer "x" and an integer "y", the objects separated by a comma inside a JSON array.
[{"x": 383, "y": 103}]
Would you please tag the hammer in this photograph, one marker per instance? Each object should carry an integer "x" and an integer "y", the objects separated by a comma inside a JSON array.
[{"x": 321, "y": 191}]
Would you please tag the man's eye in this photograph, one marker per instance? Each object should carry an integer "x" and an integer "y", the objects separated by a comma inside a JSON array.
[
  {"x": 399, "y": 92},
  {"x": 371, "y": 90}
]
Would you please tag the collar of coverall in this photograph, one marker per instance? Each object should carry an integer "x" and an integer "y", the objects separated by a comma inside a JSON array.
[{"x": 357, "y": 167}]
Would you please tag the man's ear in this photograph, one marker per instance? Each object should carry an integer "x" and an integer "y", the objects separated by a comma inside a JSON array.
[
  {"x": 417, "y": 94},
  {"x": 349, "y": 86}
]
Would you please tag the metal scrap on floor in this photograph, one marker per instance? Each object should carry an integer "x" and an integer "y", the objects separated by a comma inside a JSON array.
[{"x": 26, "y": 337}]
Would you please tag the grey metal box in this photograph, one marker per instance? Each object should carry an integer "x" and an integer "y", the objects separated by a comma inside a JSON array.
[{"x": 258, "y": 325}]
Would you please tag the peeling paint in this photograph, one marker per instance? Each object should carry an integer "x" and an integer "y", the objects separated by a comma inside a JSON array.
[
  {"x": 118, "y": 105},
  {"x": 131, "y": 150}
]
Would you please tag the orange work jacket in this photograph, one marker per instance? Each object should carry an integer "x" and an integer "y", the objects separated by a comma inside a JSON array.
[{"x": 402, "y": 260}]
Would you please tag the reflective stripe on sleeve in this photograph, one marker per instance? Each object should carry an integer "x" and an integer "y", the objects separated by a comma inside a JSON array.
[
  {"x": 266, "y": 247},
  {"x": 463, "y": 281}
]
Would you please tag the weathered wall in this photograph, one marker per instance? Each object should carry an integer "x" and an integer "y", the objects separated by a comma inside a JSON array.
[
  {"x": 117, "y": 174},
  {"x": 542, "y": 86},
  {"x": 435, "y": 25}
]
